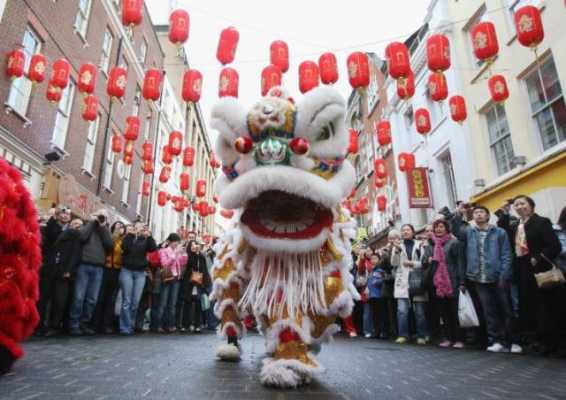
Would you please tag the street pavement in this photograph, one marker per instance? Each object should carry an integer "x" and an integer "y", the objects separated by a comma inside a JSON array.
[{"x": 169, "y": 367}]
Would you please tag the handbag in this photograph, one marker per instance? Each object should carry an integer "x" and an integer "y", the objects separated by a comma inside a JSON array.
[
  {"x": 167, "y": 275},
  {"x": 196, "y": 278},
  {"x": 551, "y": 278}
]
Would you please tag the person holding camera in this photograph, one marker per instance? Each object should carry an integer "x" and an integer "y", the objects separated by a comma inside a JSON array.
[{"x": 96, "y": 244}]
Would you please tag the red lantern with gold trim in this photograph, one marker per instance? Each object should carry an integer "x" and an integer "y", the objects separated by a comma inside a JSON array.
[
  {"x": 192, "y": 86},
  {"x": 117, "y": 81},
  {"x": 398, "y": 60},
  {"x": 214, "y": 163},
  {"x": 406, "y": 162},
  {"x": 308, "y": 76},
  {"x": 358, "y": 69},
  {"x": 132, "y": 128},
  {"x": 152, "y": 85},
  {"x": 128, "y": 159},
  {"x": 179, "y": 204},
  {"x": 484, "y": 40},
  {"x": 406, "y": 87},
  {"x": 61, "y": 73},
  {"x": 422, "y": 121},
  {"x": 381, "y": 201},
  {"x": 201, "y": 188},
  {"x": 227, "y": 45},
  {"x": 228, "y": 83},
  {"x": 363, "y": 205},
  {"x": 16, "y": 63},
  {"x": 148, "y": 168},
  {"x": 175, "y": 143},
  {"x": 54, "y": 93},
  {"x": 132, "y": 12},
  {"x": 328, "y": 67},
  {"x": 179, "y": 22},
  {"x": 384, "y": 132},
  {"x": 90, "y": 108},
  {"x": 146, "y": 188},
  {"x": 185, "y": 181},
  {"x": 188, "y": 156},
  {"x": 203, "y": 208},
  {"x": 227, "y": 213},
  {"x": 270, "y": 77},
  {"x": 37, "y": 68},
  {"x": 437, "y": 86},
  {"x": 87, "y": 78},
  {"x": 498, "y": 88},
  {"x": 458, "y": 110},
  {"x": 166, "y": 156},
  {"x": 379, "y": 183},
  {"x": 147, "y": 151},
  {"x": 162, "y": 198},
  {"x": 279, "y": 55},
  {"x": 353, "y": 142},
  {"x": 438, "y": 53},
  {"x": 165, "y": 174},
  {"x": 380, "y": 168},
  {"x": 117, "y": 143},
  {"x": 529, "y": 27}
]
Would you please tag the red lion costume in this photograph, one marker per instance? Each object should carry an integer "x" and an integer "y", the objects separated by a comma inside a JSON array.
[{"x": 20, "y": 258}]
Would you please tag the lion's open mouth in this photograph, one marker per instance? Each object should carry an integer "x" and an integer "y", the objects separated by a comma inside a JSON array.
[{"x": 280, "y": 215}]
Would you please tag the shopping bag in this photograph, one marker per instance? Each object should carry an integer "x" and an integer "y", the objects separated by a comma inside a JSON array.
[{"x": 466, "y": 311}]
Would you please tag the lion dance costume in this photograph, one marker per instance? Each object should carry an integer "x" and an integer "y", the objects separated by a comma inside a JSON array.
[
  {"x": 286, "y": 260},
  {"x": 20, "y": 257}
]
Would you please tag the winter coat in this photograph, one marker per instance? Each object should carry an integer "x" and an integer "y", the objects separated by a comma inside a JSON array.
[
  {"x": 389, "y": 277},
  {"x": 401, "y": 273},
  {"x": 97, "y": 242},
  {"x": 114, "y": 259},
  {"x": 173, "y": 260},
  {"x": 134, "y": 251},
  {"x": 196, "y": 263},
  {"x": 68, "y": 252},
  {"x": 454, "y": 255},
  {"x": 375, "y": 282},
  {"x": 49, "y": 235}
]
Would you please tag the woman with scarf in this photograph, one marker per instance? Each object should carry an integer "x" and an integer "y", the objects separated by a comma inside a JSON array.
[
  {"x": 446, "y": 257},
  {"x": 196, "y": 280}
]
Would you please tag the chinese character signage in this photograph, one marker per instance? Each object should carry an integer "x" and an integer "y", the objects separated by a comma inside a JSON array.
[{"x": 419, "y": 192}]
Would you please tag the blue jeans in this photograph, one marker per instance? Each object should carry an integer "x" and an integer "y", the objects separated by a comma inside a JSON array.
[
  {"x": 132, "y": 284},
  {"x": 497, "y": 312},
  {"x": 167, "y": 304},
  {"x": 367, "y": 319},
  {"x": 87, "y": 287},
  {"x": 403, "y": 306}
]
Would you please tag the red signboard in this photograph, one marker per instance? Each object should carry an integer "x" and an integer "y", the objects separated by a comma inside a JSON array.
[{"x": 419, "y": 192}]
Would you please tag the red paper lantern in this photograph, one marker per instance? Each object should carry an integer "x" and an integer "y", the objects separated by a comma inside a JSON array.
[
  {"x": 214, "y": 163},
  {"x": 227, "y": 213},
  {"x": 179, "y": 22},
  {"x": 381, "y": 201},
  {"x": 406, "y": 162},
  {"x": 379, "y": 183},
  {"x": 227, "y": 45},
  {"x": 192, "y": 86},
  {"x": 270, "y": 77},
  {"x": 308, "y": 76},
  {"x": 146, "y": 188},
  {"x": 175, "y": 143},
  {"x": 117, "y": 81},
  {"x": 380, "y": 168},
  {"x": 147, "y": 151},
  {"x": 406, "y": 87},
  {"x": 129, "y": 149},
  {"x": 438, "y": 53},
  {"x": 116, "y": 143},
  {"x": 148, "y": 168},
  {"x": 384, "y": 132},
  {"x": 165, "y": 174},
  {"x": 87, "y": 78},
  {"x": 484, "y": 39},
  {"x": 211, "y": 210},
  {"x": 188, "y": 156},
  {"x": 363, "y": 205},
  {"x": 90, "y": 108},
  {"x": 54, "y": 93},
  {"x": 166, "y": 156},
  {"x": 16, "y": 63},
  {"x": 528, "y": 23},
  {"x": 132, "y": 12},
  {"x": 353, "y": 142},
  {"x": 437, "y": 86},
  {"x": 132, "y": 128},
  {"x": 328, "y": 68},
  {"x": 61, "y": 73},
  {"x": 203, "y": 208},
  {"x": 398, "y": 59},
  {"x": 228, "y": 84},
  {"x": 37, "y": 68},
  {"x": 162, "y": 198},
  {"x": 128, "y": 159},
  {"x": 243, "y": 145},
  {"x": 152, "y": 85},
  {"x": 458, "y": 109},
  {"x": 179, "y": 204},
  {"x": 358, "y": 69},
  {"x": 185, "y": 182},
  {"x": 498, "y": 88},
  {"x": 279, "y": 55},
  {"x": 422, "y": 121},
  {"x": 201, "y": 188}
]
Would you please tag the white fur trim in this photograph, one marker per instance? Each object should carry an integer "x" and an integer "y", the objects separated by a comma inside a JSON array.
[
  {"x": 228, "y": 117},
  {"x": 285, "y": 245},
  {"x": 288, "y": 374},
  {"x": 220, "y": 306},
  {"x": 228, "y": 352}
]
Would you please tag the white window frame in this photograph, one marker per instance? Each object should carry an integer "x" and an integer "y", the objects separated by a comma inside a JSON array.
[
  {"x": 126, "y": 184},
  {"x": 501, "y": 169},
  {"x": 106, "y": 53},
  {"x": 63, "y": 116},
  {"x": 20, "y": 90},
  {"x": 143, "y": 51},
  {"x": 109, "y": 163},
  {"x": 83, "y": 17},
  {"x": 90, "y": 147},
  {"x": 445, "y": 161}
]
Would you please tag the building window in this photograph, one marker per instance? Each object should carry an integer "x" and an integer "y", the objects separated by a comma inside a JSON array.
[
  {"x": 143, "y": 51},
  {"x": 137, "y": 102},
  {"x": 547, "y": 103},
  {"x": 480, "y": 16},
  {"x": 91, "y": 145},
  {"x": 106, "y": 51},
  {"x": 20, "y": 91},
  {"x": 500, "y": 138},
  {"x": 449, "y": 178},
  {"x": 64, "y": 109},
  {"x": 109, "y": 167},
  {"x": 81, "y": 20},
  {"x": 126, "y": 184}
]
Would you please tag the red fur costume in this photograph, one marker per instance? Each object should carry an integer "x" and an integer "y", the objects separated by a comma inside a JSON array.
[{"x": 20, "y": 258}]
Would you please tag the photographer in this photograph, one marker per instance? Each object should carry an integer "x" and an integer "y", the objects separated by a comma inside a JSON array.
[{"x": 96, "y": 243}]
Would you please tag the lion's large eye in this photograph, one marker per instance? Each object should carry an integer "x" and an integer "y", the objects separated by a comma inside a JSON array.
[{"x": 326, "y": 133}]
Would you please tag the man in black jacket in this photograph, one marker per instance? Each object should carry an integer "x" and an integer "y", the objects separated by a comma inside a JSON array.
[{"x": 96, "y": 243}]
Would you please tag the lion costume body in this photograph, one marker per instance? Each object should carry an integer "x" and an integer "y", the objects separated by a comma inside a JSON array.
[{"x": 286, "y": 260}]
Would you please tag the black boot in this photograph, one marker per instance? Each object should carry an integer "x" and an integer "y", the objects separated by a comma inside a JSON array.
[{"x": 6, "y": 360}]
